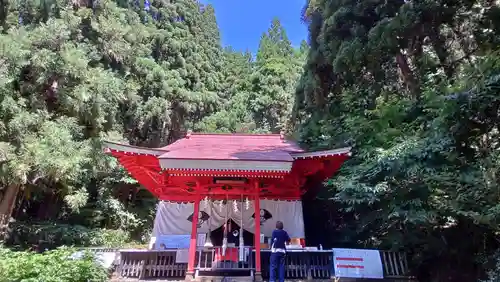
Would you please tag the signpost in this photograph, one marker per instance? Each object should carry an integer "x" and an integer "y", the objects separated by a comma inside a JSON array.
[{"x": 357, "y": 263}]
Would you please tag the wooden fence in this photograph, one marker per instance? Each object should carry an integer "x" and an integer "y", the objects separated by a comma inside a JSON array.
[
  {"x": 395, "y": 264},
  {"x": 317, "y": 265},
  {"x": 150, "y": 264},
  {"x": 305, "y": 265}
]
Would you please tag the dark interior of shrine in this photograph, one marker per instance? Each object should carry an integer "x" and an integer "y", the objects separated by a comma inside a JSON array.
[{"x": 234, "y": 229}]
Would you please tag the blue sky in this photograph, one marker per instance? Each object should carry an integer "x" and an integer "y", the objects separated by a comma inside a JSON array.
[{"x": 242, "y": 22}]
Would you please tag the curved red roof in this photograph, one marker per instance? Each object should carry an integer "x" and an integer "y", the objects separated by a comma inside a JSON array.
[
  {"x": 186, "y": 168},
  {"x": 255, "y": 147}
]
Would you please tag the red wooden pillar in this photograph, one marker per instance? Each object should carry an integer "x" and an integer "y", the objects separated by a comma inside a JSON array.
[
  {"x": 258, "y": 274},
  {"x": 192, "y": 242}
]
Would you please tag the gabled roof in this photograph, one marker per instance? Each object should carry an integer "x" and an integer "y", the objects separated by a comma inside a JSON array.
[
  {"x": 249, "y": 147},
  {"x": 228, "y": 152},
  {"x": 284, "y": 170}
]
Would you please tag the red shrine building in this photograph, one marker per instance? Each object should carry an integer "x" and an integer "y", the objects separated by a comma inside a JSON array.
[{"x": 229, "y": 188}]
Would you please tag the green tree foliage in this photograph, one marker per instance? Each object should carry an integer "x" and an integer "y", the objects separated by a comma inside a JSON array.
[
  {"x": 413, "y": 87},
  {"x": 51, "y": 266},
  {"x": 259, "y": 93},
  {"x": 277, "y": 69},
  {"x": 75, "y": 73},
  {"x": 47, "y": 235}
]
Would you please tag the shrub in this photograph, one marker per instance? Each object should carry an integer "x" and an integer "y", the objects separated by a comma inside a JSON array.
[
  {"x": 51, "y": 235},
  {"x": 51, "y": 266}
]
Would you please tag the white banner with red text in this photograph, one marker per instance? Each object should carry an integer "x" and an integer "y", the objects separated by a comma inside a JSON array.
[{"x": 357, "y": 263}]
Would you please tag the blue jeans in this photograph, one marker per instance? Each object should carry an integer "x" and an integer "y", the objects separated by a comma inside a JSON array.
[{"x": 277, "y": 265}]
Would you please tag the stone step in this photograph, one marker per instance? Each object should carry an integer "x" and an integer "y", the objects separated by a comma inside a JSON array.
[
  {"x": 249, "y": 279},
  {"x": 225, "y": 279}
]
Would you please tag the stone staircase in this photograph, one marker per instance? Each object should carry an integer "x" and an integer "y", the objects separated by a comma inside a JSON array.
[
  {"x": 250, "y": 279},
  {"x": 225, "y": 279}
]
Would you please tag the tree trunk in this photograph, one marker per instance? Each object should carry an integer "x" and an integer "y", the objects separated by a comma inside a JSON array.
[
  {"x": 438, "y": 43},
  {"x": 177, "y": 118},
  {"x": 408, "y": 75},
  {"x": 46, "y": 208},
  {"x": 7, "y": 203}
]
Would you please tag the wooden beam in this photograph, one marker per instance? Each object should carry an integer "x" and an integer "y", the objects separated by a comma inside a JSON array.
[
  {"x": 257, "y": 229},
  {"x": 194, "y": 235}
]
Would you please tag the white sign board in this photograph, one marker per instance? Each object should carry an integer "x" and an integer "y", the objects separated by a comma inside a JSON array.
[
  {"x": 182, "y": 256},
  {"x": 356, "y": 263},
  {"x": 152, "y": 242},
  {"x": 200, "y": 241}
]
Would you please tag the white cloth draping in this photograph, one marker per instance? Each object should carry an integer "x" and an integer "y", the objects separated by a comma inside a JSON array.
[{"x": 175, "y": 218}]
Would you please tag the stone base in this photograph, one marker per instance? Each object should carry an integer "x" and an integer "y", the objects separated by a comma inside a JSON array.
[
  {"x": 258, "y": 277},
  {"x": 224, "y": 279},
  {"x": 189, "y": 277}
]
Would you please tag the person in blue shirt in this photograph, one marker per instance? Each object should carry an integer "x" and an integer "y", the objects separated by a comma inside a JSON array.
[{"x": 279, "y": 240}]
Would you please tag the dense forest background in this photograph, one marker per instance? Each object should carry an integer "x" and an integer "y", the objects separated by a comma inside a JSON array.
[{"x": 412, "y": 86}]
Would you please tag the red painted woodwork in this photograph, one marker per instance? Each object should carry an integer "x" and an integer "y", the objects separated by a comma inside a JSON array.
[
  {"x": 143, "y": 168},
  {"x": 232, "y": 254},
  {"x": 179, "y": 184},
  {"x": 171, "y": 186},
  {"x": 192, "y": 243},
  {"x": 257, "y": 235}
]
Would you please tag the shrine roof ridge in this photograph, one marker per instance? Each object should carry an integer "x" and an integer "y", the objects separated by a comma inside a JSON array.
[
  {"x": 110, "y": 145},
  {"x": 162, "y": 152},
  {"x": 290, "y": 160},
  {"x": 236, "y": 134}
]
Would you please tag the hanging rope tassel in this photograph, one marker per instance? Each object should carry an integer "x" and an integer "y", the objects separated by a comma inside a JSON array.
[
  {"x": 208, "y": 241},
  {"x": 242, "y": 241},
  {"x": 224, "y": 240}
]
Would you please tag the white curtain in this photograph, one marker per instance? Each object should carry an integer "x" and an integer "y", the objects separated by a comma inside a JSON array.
[
  {"x": 175, "y": 218},
  {"x": 289, "y": 212}
]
